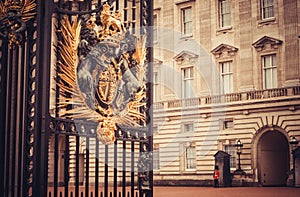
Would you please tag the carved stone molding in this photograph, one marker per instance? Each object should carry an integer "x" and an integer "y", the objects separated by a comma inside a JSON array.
[
  {"x": 266, "y": 41},
  {"x": 185, "y": 56},
  {"x": 224, "y": 49}
]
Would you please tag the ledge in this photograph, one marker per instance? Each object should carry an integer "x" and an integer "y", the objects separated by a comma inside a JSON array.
[
  {"x": 254, "y": 95},
  {"x": 266, "y": 21}
]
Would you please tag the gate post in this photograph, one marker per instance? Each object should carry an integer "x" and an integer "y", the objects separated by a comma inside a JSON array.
[{"x": 43, "y": 51}]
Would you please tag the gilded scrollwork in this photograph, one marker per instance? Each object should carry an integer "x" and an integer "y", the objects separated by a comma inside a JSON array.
[
  {"x": 101, "y": 72},
  {"x": 13, "y": 18}
]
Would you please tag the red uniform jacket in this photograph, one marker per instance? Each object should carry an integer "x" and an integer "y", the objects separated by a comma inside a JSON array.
[{"x": 216, "y": 174}]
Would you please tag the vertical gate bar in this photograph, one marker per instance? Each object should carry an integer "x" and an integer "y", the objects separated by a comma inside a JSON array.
[
  {"x": 41, "y": 131},
  {"x": 66, "y": 164},
  {"x": 3, "y": 104},
  {"x": 99, "y": 4},
  {"x": 106, "y": 171},
  {"x": 132, "y": 168},
  {"x": 14, "y": 116},
  {"x": 117, "y": 5},
  {"x": 7, "y": 136},
  {"x": 58, "y": 67},
  {"x": 149, "y": 122},
  {"x": 124, "y": 170},
  {"x": 115, "y": 167},
  {"x": 28, "y": 134},
  {"x": 125, "y": 13},
  {"x": 77, "y": 166},
  {"x": 80, "y": 5},
  {"x": 8, "y": 126},
  {"x": 11, "y": 128},
  {"x": 57, "y": 88},
  {"x": 89, "y": 8},
  {"x": 140, "y": 151},
  {"x": 87, "y": 164},
  {"x": 22, "y": 138},
  {"x": 56, "y": 137},
  {"x": 97, "y": 168}
]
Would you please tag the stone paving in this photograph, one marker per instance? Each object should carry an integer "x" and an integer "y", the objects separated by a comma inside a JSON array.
[{"x": 226, "y": 192}]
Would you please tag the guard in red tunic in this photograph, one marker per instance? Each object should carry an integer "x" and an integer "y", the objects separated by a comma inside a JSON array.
[{"x": 216, "y": 176}]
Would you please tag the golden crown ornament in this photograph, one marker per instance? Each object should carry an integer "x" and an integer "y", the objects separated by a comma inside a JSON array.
[{"x": 103, "y": 65}]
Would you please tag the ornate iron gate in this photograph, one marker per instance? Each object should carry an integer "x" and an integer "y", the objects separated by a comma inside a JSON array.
[{"x": 75, "y": 96}]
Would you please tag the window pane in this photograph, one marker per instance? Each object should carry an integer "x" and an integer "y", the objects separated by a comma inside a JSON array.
[
  {"x": 226, "y": 77},
  {"x": 267, "y": 7},
  {"x": 269, "y": 71},
  {"x": 187, "y": 20},
  {"x": 274, "y": 78},
  {"x": 190, "y": 157},
  {"x": 268, "y": 77},
  {"x": 187, "y": 127},
  {"x": 230, "y": 149},
  {"x": 187, "y": 82},
  {"x": 225, "y": 13}
]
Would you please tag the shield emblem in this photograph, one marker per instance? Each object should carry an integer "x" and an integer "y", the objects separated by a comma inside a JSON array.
[{"x": 107, "y": 86}]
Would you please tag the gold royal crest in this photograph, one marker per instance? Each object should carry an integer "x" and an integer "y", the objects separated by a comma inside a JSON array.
[{"x": 101, "y": 72}]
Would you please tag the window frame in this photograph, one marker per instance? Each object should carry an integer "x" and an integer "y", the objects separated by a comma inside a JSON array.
[
  {"x": 183, "y": 22},
  {"x": 224, "y": 74},
  {"x": 227, "y": 121},
  {"x": 223, "y": 14},
  {"x": 189, "y": 125},
  {"x": 263, "y": 9},
  {"x": 231, "y": 149},
  {"x": 274, "y": 84},
  {"x": 188, "y": 159},
  {"x": 187, "y": 81}
]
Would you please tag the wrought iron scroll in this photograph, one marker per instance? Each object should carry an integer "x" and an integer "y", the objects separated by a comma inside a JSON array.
[
  {"x": 93, "y": 34},
  {"x": 102, "y": 67},
  {"x": 14, "y": 15}
]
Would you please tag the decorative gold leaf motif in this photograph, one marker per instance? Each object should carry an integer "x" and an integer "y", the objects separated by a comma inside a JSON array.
[
  {"x": 13, "y": 18},
  {"x": 101, "y": 73}
]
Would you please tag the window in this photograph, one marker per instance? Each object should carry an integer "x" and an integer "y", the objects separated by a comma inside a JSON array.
[
  {"x": 155, "y": 38},
  {"x": 227, "y": 124},
  {"x": 226, "y": 77},
  {"x": 224, "y": 13},
  {"x": 155, "y": 86},
  {"x": 187, "y": 82},
  {"x": 190, "y": 157},
  {"x": 156, "y": 165},
  {"x": 188, "y": 127},
  {"x": 187, "y": 27},
  {"x": 231, "y": 149},
  {"x": 269, "y": 71},
  {"x": 267, "y": 9}
]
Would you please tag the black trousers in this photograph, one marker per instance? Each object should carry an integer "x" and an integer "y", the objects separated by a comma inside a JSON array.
[{"x": 216, "y": 183}]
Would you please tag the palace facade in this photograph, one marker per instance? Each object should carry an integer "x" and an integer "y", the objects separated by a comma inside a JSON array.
[{"x": 225, "y": 71}]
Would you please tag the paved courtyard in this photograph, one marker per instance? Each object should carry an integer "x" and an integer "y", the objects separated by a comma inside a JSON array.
[{"x": 226, "y": 192}]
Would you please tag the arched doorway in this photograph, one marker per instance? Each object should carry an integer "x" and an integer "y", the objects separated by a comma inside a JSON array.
[{"x": 273, "y": 159}]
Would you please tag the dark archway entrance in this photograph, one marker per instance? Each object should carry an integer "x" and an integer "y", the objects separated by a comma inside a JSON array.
[{"x": 273, "y": 159}]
